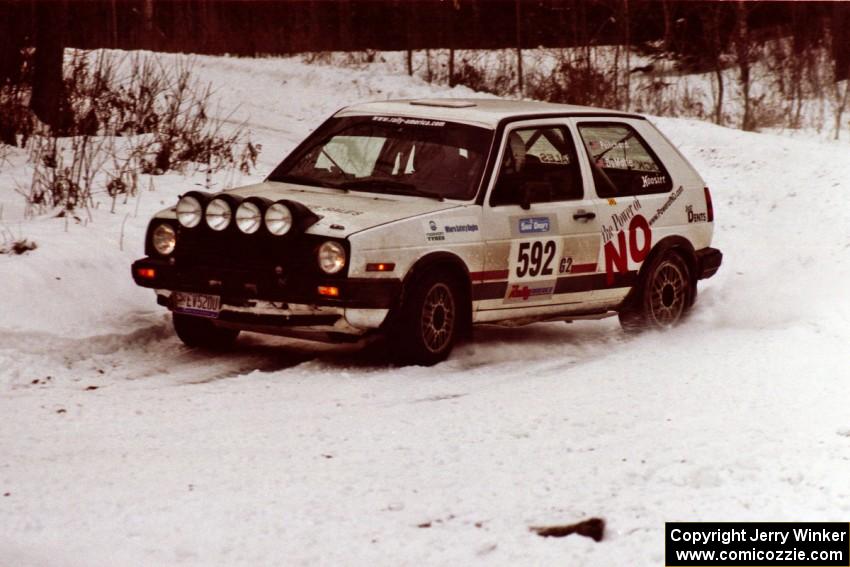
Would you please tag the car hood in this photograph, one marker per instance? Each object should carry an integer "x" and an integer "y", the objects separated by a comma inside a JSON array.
[{"x": 343, "y": 214}]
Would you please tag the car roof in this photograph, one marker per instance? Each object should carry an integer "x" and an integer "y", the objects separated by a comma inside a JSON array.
[{"x": 487, "y": 112}]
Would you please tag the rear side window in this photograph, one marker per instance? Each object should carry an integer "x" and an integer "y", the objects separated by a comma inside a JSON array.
[{"x": 622, "y": 162}]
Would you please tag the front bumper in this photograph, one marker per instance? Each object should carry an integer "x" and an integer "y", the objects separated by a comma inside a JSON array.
[
  {"x": 708, "y": 262},
  {"x": 235, "y": 286},
  {"x": 262, "y": 301}
]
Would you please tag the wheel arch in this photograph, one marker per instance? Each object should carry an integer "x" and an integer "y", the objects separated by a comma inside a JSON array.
[
  {"x": 674, "y": 243},
  {"x": 455, "y": 266}
]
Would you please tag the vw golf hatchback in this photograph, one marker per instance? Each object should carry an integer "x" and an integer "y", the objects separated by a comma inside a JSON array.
[{"x": 421, "y": 218}]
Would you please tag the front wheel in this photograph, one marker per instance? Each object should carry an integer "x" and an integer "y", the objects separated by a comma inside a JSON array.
[
  {"x": 662, "y": 298},
  {"x": 427, "y": 327},
  {"x": 201, "y": 332}
]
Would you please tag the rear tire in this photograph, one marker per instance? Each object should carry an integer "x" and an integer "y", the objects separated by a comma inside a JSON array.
[
  {"x": 428, "y": 322},
  {"x": 202, "y": 333},
  {"x": 663, "y": 296}
]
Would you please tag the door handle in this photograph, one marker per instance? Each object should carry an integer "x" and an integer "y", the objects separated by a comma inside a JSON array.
[{"x": 584, "y": 215}]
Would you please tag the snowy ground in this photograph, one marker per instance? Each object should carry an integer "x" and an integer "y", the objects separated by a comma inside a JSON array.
[{"x": 119, "y": 446}]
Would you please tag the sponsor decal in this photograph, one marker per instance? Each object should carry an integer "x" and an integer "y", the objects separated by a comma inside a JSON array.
[
  {"x": 408, "y": 121},
  {"x": 695, "y": 217},
  {"x": 620, "y": 220},
  {"x": 650, "y": 180},
  {"x": 614, "y": 162},
  {"x": 534, "y": 224},
  {"x": 629, "y": 235},
  {"x": 607, "y": 145},
  {"x": 453, "y": 228},
  {"x": 437, "y": 231},
  {"x": 628, "y": 244},
  {"x": 533, "y": 291},
  {"x": 433, "y": 233},
  {"x": 549, "y": 157},
  {"x": 663, "y": 208},
  {"x": 337, "y": 210}
]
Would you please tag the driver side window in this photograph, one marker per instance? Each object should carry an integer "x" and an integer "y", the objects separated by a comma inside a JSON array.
[{"x": 538, "y": 166}]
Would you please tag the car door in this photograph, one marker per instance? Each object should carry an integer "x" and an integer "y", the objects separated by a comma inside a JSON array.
[
  {"x": 540, "y": 226},
  {"x": 634, "y": 190}
]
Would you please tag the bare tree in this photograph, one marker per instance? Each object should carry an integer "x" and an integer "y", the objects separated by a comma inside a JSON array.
[
  {"x": 743, "y": 55},
  {"x": 711, "y": 22},
  {"x": 49, "y": 101},
  {"x": 518, "y": 19},
  {"x": 628, "y": 47}
]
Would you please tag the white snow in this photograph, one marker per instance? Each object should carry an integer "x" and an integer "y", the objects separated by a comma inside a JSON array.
[{"x": 286, "y": 452}]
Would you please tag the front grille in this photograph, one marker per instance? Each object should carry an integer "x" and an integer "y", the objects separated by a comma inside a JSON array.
[{"x": 233, "y": 250}]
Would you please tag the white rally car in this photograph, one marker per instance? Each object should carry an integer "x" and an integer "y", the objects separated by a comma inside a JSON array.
[{"x": 421, "y": 218}]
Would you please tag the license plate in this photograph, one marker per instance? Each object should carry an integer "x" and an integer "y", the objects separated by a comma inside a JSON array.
[{"x": 198, "y": 304}]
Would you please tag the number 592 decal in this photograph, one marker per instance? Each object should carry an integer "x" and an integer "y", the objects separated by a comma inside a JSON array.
[{"x": 535, "y": 258}]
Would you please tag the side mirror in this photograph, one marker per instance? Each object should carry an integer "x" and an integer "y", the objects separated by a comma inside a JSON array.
[{"x": 534, "y": 192}]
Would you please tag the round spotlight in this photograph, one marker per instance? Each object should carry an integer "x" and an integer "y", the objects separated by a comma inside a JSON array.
[
  {"x": 189, "y": 211},
  {"x": 218, "y": 214},
  {"x": 331, "y": 257},
  {"x": 278, "y": 219},
  {"x": 249, "y": 217},
  {"x": 164, "y": 239}
]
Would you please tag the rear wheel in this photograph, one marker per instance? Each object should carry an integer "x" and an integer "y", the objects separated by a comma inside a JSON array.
[
  {"x": 201, "y": 332},
  {"x": 428, "y": 322},
  {"x": 662, "y": 298}
]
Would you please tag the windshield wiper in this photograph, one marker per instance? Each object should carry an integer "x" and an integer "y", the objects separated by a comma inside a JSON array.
[
  {"x": 304, "y": 180},
  {"x": 396, "y": 187}
]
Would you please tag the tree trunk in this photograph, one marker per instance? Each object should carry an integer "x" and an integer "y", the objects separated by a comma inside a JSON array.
[
  {"x": 49, "y": 101},
  {"x": 148, "y": 25},
  {"x": 665, "y": 8},
  {"x": 742, "y": 50},
  {"x": 519, "y": 82},
  {"x": 718, "y": 108},
  {"x": 841, "y": 100},
  {"x": 627, "y": 25},
  {"x": 711, "y": 27}
]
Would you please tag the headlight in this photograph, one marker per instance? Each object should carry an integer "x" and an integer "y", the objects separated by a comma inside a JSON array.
[
  {"x": 248, "y": 217},
  {"x": 331, "y": 257},
  {"x": 278, "y": 219},
  {"x": 189, "y": 211},
  {"x": 218, "y": 214},
  {"x": 164, "y": 239}
]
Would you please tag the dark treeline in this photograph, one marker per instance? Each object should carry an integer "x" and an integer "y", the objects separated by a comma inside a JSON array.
[
  {"x": 700, "y": 36},
  {"x": 280, "y": 27}
]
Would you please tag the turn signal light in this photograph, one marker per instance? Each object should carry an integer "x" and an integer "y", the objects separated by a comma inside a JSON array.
[
  {"x": 380, "y": 267},
  {"x": 328, "y": 291},
  {"x": 147, "y": 273}
]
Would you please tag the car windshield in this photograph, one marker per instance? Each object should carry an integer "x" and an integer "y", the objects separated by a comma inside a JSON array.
[{"x": 391, "y": 154}]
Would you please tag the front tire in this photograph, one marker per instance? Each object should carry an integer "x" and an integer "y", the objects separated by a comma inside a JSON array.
[
  {"x": 663, "y": 297},
  {"x": 428, "y": 323},
  {"x": 202, "y": 333}
]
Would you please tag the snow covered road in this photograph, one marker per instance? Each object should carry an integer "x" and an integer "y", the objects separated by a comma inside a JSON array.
[{"x": 119, "y": 446}]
